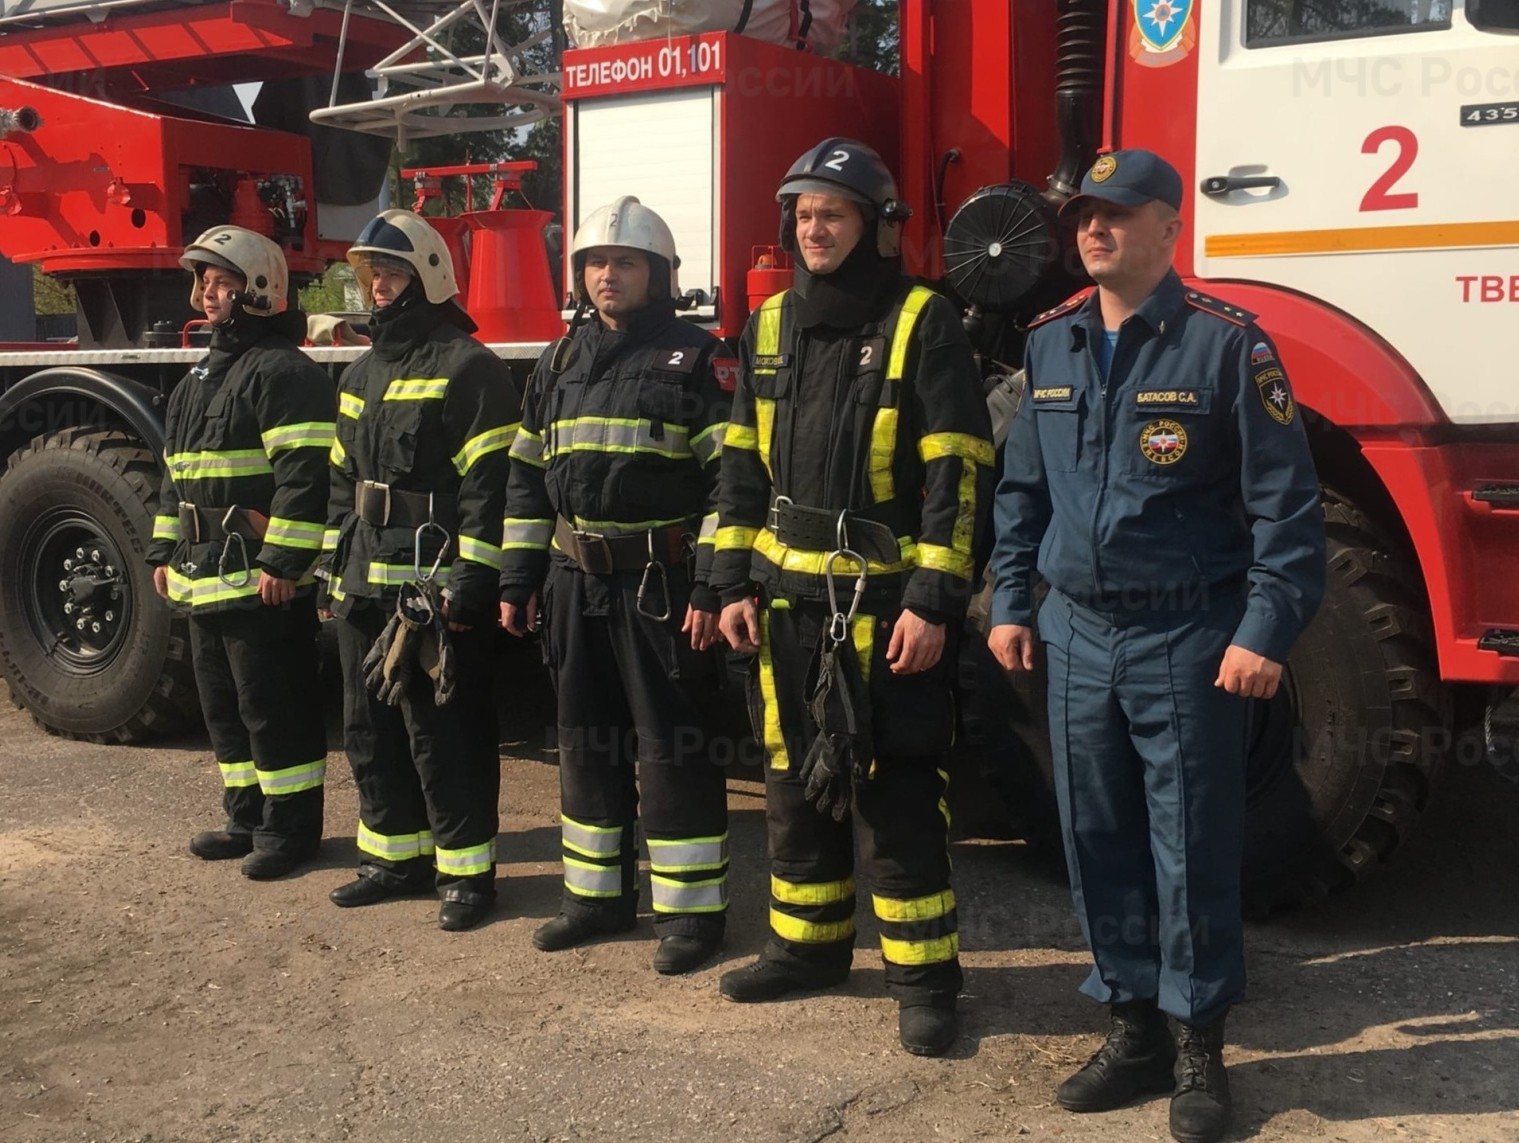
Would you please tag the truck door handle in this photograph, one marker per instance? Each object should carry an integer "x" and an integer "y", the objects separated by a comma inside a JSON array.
[{"x": 1223, "y": 184}]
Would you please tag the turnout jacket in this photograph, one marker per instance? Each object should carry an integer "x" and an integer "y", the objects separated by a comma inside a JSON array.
[
  {"x": 886, "y": 418},
  {"x": 248, "y": 427},
  {"x": 1184, "y": 471},
  {"x": 427, "y": 410},
  {"x": 626, "y": 438}
]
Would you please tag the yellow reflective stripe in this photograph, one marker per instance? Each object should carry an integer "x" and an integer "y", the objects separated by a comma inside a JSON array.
[
  {"x": 351, "y": 405},
  {"x": 338, "y": 454},
  {"x": 293, "y": 779},
  {"x": 529, "y": 534},
  {"x": 767, "y": 334},
  {"x": 394, "y": 575},
  {"x": 236, "y": 775},
  {"x": 416, "y": 389},
  {"x": 944, "y": 804},
  {"x": 209, "y": 463},
  {"x": 470, "y": 861},
  {"x": 493, "y": 440},
  {"x": 907, "y": 320},
  {"x": 294, "y": 533},
  {"x": 773, "y": 740},
  {"x": 815, "y": 893},
  {"x": 936, "y": 446},
  {"x": 617, "y": 435},
  {"x": 936, "y": 557},
  {"x": 592, "y": 840},
  {"x": 790, "y": 928},
  {"x": 306, "y": 434},
  {"x": 672, "y": 896},
  {"x": 740, "y": 436},
  {"x": 927, "y": 908},
  {"x": 734, "y": 538},
  {"x": 808, "y": 562},
  {"x": 478, "y": 551},
  {"x": 394, "y": 847},
  {"x": 962, "y": 536},
  {"x": 330, "y": 539},
  {"x": 708, "y": 444},
  {"x": 586, "y": 880},
  {"x": 934, "y": 951},
  {"x": 200, "y": 592},
  {"x": 764, "y": 430},
  {"x": 688, "y": 855},
  {"x": 863, "y": 634},
  {"x": 166, "y": 527},
  {"x": 528, "y": 448},
  {"x": 883, "y": 450}
]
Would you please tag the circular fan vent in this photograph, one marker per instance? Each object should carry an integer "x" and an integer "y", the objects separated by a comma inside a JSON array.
[{"x": 999, "y": 245}]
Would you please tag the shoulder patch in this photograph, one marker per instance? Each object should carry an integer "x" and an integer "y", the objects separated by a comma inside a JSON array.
[
  {"x": 1064, "y": 307},
  {"x": 725, "y": 370},
  {"x": 1219, "y": 308}
]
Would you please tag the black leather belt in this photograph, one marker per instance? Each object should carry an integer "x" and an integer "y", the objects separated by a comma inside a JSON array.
[
  {"x": 388, "y": 507},
  {"x": 200, "y": 524},
  {"x": 817, "y": 530},
  {"x": 603, "y": 555}
]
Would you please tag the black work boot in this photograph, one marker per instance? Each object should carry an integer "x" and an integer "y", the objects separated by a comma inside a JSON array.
[
  {"x": 219, "y": 845},
  {"x": 1136, "y": 1060},
  {"x": 767, "y": 979},
  {"x": 267, "y": 864},
  {"x": 464, "y": 908},
  {"x": 1200, "y": 1108},
  {"x": 570, "y": 929},
  {"x": 928, "y": 1027},
  {"x": 371, "y": 887},
  {"x": 677, "y": 954}
]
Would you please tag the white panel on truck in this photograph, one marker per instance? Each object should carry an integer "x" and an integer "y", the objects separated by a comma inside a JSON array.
[{"x": 658, "y": 146}]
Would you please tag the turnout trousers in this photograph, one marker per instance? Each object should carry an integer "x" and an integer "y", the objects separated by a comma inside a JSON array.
[
  {"x": 900, "y": 819},
  {"x": 257, "y": 675},
  {"x": 630, "y": 697},
  {"x": 1150, "y": 778},
  {"x": 428, "y": 776}
]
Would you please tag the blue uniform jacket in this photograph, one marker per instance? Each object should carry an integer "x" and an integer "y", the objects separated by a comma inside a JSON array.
[{"x": 1186, "y": 473}]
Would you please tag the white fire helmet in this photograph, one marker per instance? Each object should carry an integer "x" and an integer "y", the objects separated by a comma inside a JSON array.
[
  {"x": 401, "y": 236},
  {"x": 258, "y": 260},
  {"x": 628, "y": 223}
]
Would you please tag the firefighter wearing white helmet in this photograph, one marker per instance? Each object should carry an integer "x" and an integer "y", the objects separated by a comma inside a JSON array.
[
  {"x": 235, "y": 534},
  {"x": 609, "y": 536},
  {"x": 425, "y": 419},
  {"x": 857, "y": 474}
]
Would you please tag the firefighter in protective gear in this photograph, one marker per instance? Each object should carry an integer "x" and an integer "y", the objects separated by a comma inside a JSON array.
[
  {"x": 236, "y": 532},
  {"x": 608, "y": 539},
  {"x": 856, "y": 477},
  {"x": 425, "y": 420}
]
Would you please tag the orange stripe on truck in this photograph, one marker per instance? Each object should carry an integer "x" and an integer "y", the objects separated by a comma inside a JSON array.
[{"x": 1351, "y": 240}]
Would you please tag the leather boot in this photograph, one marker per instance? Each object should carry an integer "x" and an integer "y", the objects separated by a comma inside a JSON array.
[
  {"x": 1201, "y": 1108},
  {"x": 928, "y": 1027},
  {"x": 369, "y": 888},
  {"x": 1135, "y": 1060},
  {"x": 677, "y": 954},
  {"x": 570, "y": 929},
  {"x": 463, "y": 908},
  {"x": 219, "y": 845},
  {"x": 772, "y": 979},
  {"x": 267, "y": 864}
]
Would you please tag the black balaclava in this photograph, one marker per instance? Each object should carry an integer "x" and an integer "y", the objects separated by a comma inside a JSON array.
[{"x": 852, "y": 294}]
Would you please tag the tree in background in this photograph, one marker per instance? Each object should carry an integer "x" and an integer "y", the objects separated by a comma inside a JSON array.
[{"x": 874, "y": 36}]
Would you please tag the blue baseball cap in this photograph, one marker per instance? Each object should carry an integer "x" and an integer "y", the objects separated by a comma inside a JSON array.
[{"x": 1130, "y": 178}]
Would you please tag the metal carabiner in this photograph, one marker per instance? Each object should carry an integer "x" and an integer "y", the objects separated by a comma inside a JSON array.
[
  {"x": 839, "y": 624},
  {"x": 651, "y": 570},
  {"x": 242, "y": 551},
  {"x": 423, "y": 530}
]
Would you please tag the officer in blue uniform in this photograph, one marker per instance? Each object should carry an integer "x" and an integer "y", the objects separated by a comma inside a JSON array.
[{"x": 1158, "y": 477}]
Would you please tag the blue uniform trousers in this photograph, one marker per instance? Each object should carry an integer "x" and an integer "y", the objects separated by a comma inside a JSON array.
[{"x": 1150, "y": 776}]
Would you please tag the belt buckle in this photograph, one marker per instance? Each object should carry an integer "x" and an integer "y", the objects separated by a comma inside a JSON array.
[
  {"x": 773, "y": 517},
  {"x": 184, "y": 506},
  {"x": 593, "y": 553},
  {"x": 371, "y": 486}
]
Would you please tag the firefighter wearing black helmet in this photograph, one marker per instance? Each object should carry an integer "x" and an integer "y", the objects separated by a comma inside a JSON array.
[
  {"x": 608, "y": 538},
  {"x": 425, "y": 420},
  {"x": 237, "y": 529},
  {"x": 856, "y": 477}
]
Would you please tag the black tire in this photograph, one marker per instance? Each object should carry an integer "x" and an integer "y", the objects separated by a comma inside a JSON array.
[
  {"x": 1342, "y": 760},
  {"x": 75, "y": 520}
]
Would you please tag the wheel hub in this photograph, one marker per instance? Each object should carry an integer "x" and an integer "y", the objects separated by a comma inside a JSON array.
[{"x": 79, "y": 600}]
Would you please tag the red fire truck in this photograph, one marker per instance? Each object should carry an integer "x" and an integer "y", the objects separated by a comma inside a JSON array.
[{"x": 1366, "y": 227}]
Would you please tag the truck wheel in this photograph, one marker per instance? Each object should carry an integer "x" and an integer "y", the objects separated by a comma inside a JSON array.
[
  {"x": 1342, "y": 760},
  {"x": 86, "y": 645}
]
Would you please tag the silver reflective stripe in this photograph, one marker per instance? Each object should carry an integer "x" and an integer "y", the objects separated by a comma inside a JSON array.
[
  {"x": 587, "y": 880},
  {"x": 688, "y": 854},
  {"x": 671, "y": 896},
  {"x": 394, "y": 847},
  {"x": 235, "y": 775},
  {"x": 528, "y": 448},
  {"x": 616, "y": 434},
  {"x": 468, "y": 862},
  {"x": 293, "y": 779},
  {"x": 708, "y": 444},
  {"x": 593, "y": 841},
  {"x": 394, "y": 575},
  {"x": 516, "y": 533},
  {"x": 166, "y": 527},
  {"x": 234, "y": 462}
]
